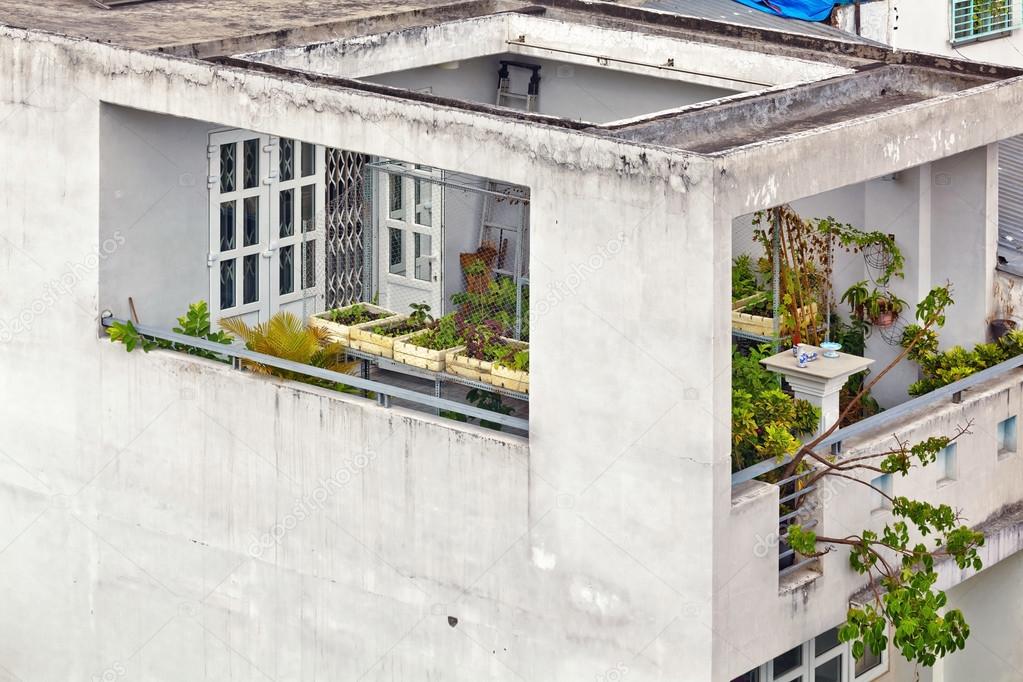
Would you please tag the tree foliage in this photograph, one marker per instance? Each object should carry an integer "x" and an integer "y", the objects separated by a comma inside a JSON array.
[{"x": 900, "y": 559}]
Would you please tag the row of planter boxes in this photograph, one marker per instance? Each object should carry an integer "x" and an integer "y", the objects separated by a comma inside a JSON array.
[
  {"x": 363, "y": 337},
  {"x": 756, "y": 324}
]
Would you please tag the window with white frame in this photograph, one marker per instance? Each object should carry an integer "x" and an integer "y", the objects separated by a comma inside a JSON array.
[
  {"x": 822, "y": 659},
  {"x": 979, "y": 19}
]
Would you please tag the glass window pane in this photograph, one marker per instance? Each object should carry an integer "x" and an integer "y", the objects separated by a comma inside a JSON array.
[
  {"x": 287, "y": 270},
  {"x": 287, "y": 163},
  {"x": 251, "y": 163},
  {"x": 396, "y": 253},
  {"x": 227, "y": 280},
  {"x": 250, "y": 278},
  {"x": 396, "y": 205},
  {"x": 751, "y": 676},
  {"x": 869, "y": 661},
  {"x": 251, "y": 221},
  {"x": 309, "y": 208},
  {"x": 424, "y": 260},
  {"x": 227, "y": 226},
  {"x": 830, "y": 671},
  {"x": 788, "y": 661},
  {"x": 826, "y": 641},
  {"x": 228, "y": 167},
  {"x": 309, "y": 264},
  {"x": 286, "y": 218},
  {"x": 424, "y": 203},
  {"x": 308, "y": 159}
]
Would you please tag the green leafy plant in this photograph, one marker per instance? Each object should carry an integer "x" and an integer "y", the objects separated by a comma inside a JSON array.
[
  {"x": 354, "y": 314},
  {"x": 441, "y": 335},
  {"x": 126, "y": 333},
  {"x": 900, "y": 560},
  {"x": 516, "y": 360},
  {"x": 195, "y": 322},
  {"x": 940, "y": 368},
  {"x": 766, "y": 422},
  {"x": 286, "y": 336},
  {"x": 744, "y": 279},
  {"x": 879, "y": 306},
  {"x": 417, "y": 320}
]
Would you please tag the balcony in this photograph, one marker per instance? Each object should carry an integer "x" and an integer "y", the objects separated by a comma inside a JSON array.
[{"x": 401, "y": 282}]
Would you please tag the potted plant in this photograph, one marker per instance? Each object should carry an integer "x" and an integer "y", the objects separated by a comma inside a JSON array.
[
  {"x": 881, "y": 307},
  {"x": 485, "y": 343},
  {"x": 337, "y": 323},
  {"x": 512, "y": 370},
  {"x": 430, "y": 348},
  {"x": 377, "y": 337}
]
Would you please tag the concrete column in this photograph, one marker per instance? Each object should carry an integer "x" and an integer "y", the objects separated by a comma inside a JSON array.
[
  {"x": 820, "y": 381},
  {"x": 964, "y": 237},
  {"x": 900, "y": 205}
]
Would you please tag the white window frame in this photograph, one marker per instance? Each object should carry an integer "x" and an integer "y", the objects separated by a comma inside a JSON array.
[
  {"x": 806, "y": 671},
  {"x": 432, "y": 290}
]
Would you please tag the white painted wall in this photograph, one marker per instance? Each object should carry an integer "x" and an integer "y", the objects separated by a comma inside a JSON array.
[
  {"x": 154, "y": 205},
  {"x": 566, "y": 90},
  {"x": 923, "y": 26},
  {"x": 990, "y": 603}
]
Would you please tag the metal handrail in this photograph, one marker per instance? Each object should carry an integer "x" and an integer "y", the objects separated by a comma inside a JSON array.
[
  {"x": 882, "y": 419},
  {"x": 235, "y": 350}
]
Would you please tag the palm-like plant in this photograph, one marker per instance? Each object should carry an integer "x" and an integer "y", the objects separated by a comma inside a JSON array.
[{"x": 285, "y": 336}]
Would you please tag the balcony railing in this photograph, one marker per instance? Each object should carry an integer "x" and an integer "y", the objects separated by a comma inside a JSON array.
[
  {"x": 791, "y": 493},
  {"x": 385, "y": 393},
  {"x": 973, "y": 20}
]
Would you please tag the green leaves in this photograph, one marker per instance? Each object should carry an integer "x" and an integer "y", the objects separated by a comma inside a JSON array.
[{"x": 125, "y": 332}]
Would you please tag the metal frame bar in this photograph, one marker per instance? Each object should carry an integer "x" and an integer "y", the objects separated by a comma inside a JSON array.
[
  {"x": 394, "y": 168},
  {"x": 385, "y": 392}
]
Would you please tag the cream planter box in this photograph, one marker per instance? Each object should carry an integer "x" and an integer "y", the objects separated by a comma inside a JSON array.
[
  {"x": 341, "y": 333},
  {"x": 418, "y": 356},
  {"x": 362, "y": 337},
  {"x": 479, "y": 370},
  {"x": 512, "y": 379}
]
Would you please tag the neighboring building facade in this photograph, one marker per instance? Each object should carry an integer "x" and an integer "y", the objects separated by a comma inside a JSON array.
[{"x": 170, "y": 517}]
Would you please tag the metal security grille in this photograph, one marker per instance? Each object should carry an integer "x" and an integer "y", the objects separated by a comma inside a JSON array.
[
  {"x": 346, "y": 248},
  {"x": 978, "y": 19}
]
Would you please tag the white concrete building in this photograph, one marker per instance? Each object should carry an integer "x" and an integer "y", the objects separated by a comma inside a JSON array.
[{"x": 169, "y": 517}]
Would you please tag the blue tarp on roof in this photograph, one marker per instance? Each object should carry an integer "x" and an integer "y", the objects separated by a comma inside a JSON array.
[{"x": 808, "y": 10}]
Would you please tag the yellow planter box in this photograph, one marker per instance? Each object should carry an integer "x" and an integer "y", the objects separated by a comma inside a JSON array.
[
  {"x": 512, "y": 379},
  {"x": 341, "y": 333},
  {"x": 362, "y": 337},
  {"x": 418, "y": 356},
  {"x": 757, "y": 324},
  {"x": 479, "y": 370}
]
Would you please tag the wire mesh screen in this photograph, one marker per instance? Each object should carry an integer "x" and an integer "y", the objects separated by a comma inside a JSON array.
[{"x": 453, "y": 246}]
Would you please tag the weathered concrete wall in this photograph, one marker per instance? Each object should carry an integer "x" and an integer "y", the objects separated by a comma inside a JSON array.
[
  {"x": 626, "y": 52},
  {"x": 171, "y": 468}
]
